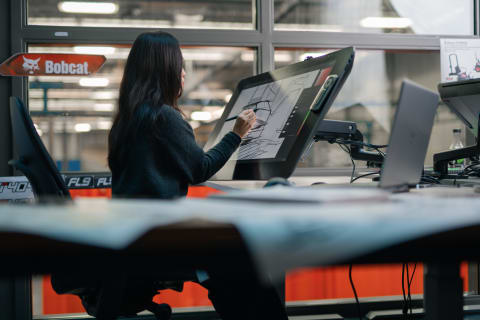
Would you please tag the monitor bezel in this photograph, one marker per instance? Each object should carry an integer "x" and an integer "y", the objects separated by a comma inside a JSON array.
[{"x": 263, "y": 169}]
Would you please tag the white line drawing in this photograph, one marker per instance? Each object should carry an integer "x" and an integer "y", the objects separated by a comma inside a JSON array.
[{"x": 273, "y": 103}]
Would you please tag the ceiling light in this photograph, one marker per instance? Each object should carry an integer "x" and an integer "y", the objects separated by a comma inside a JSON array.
[
  {"x": 386, "y": 22},
  {"x": 104, "y": 124},
  {"x": 94, "y": 82},
  {"x": 187, "y": 18},
  {"x": 93, "y": 50},
  {"x": 201, "y": 116},
  {"x": 88, "y": 7},
  {"x": 203, "y": 56},
  {"x": 282, "y": 57},
  {"x": 206, "y": 94},
  {"x": 105, "y": 107},
  {"x": 83, "y": 127},
  {"x": 104, "y": 95},
  {"x": 249, "y": 56}
]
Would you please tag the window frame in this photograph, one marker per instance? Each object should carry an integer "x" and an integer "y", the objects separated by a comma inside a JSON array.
[{"x": 263, "y": 38}]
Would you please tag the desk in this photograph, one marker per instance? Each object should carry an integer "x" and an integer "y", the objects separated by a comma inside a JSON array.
[{"x": 279, "y": 236}]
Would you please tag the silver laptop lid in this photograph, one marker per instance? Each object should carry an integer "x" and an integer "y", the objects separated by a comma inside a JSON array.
[{"x": 409, "y": 137}]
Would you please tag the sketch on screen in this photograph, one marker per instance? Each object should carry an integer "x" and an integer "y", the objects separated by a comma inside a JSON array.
[{"x": 273, "y": 102}]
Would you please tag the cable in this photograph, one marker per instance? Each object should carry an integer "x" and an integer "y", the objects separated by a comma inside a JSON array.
[
  {"x": 430, "y": 180},
  {"x": 471, "y": 168},
  {"x": 344, "y": 145},
  {"x": 363, "y": 144},
  {"x": 353, "y": 168},
  {"x": 409, "y": 297},
  {"x": 347, "y": 150},
  {"x": 354, "y": 291},
  {"x": 409, "y": 284},
  {"x": 405, "y": 306},
  {"x": 364, "y": 175}
]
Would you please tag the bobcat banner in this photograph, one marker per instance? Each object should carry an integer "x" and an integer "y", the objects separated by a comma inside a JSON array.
[{"x": 43, "y": 64}]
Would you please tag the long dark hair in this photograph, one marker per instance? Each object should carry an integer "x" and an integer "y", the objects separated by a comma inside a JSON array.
[{"x": 151, "y": 79}]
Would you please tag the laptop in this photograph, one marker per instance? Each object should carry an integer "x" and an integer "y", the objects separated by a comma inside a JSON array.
[{"x": 409, "y": 137}]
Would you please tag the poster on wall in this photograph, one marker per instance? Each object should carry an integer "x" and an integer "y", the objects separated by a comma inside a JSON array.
[{"x": 459, "y": 59}]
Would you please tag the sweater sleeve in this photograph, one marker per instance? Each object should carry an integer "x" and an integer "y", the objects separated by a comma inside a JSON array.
[{"x": 193, "y": 163}]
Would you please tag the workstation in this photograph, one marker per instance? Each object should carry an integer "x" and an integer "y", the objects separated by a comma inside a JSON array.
[{"x": 346, "y": 165}]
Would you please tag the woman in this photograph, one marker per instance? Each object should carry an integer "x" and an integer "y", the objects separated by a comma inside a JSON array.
[
  {"x": 152, "y": 150},
  {"x": 153, "y": 154}
]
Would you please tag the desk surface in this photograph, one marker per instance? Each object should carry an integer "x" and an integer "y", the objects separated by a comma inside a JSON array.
[{"x": 340, "y": 224}]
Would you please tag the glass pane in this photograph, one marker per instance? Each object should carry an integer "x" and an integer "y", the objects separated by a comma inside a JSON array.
[
  {"x": 74, "y": 117},
  {"x": 369, "y": 98},
  {"x": 445, "y": 17},
  {"x": 222, "y": 14}
]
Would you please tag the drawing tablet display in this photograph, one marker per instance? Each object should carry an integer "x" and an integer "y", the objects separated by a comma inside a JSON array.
[{"x": 288, "y": 102}]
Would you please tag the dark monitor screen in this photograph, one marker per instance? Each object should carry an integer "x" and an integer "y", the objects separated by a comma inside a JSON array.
[
  {"x": 463, "y": 98},
  {"x": 289, "y": 103}
]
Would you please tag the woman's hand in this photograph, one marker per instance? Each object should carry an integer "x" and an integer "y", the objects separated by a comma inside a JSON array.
[{"x": 245, "y": 121}]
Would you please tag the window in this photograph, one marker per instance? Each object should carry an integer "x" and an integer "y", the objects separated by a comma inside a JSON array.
[
  {"x": 370, "y": 95},
  {"x": 74, "y": 114},
  {"x": 444, "y": 17},
  {"x": 143, "y": 13}
]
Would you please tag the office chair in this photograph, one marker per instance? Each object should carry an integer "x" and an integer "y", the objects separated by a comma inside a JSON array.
[
  {"x": 103, "y": 296},
  {"x": 33, "y": 159}
]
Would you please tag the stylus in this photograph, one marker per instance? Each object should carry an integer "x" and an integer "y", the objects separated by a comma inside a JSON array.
[{"x": 235, "y": 117}]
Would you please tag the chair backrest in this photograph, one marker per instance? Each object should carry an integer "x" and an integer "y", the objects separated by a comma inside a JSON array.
[{"x": 33, "y": 159}]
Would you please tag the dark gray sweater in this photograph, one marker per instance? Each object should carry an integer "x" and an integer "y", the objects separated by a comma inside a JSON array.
[{"x": 161, "y": 163}]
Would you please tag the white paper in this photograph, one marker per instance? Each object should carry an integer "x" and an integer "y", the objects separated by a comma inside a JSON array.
[
  {"x": 343, "y": 194},
  {"x": 459, "y": 59}
]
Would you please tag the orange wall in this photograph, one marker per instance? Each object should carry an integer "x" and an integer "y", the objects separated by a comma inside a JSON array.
[{"x": 304, "y": 284}]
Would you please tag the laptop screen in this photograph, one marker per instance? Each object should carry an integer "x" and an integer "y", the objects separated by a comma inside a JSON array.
[{"x": 411, "y": 129}]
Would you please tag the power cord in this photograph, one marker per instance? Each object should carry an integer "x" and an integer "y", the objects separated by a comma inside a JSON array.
[
  {"x": 407, "y": 297},
  {"x": 354, "y": 291},
  {"x": 409, "y": 284},
  {"x": 363, "y": 175},
  {"x": 349, "y": 152},
  {"x": 345, "y": 146},
  {"x": 468, "y": 170},
  {"x": 429, "y": 179},
  {"x": 405, "y": 303}
]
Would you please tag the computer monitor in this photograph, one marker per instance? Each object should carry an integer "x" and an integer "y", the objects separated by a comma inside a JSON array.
[
  {"x": 463, "y": 99},
  {"x": 289, "y": 103}
]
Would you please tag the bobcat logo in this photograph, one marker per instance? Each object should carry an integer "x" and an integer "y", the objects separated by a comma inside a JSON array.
[{"x": 30, "y": 65}]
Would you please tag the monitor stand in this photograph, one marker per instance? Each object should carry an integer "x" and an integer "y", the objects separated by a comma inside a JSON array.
[
  {"x": 440, "y": 160},
  {"x": 330, "y": 130}
]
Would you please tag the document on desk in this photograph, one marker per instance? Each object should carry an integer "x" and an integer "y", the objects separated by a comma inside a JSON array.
[{"x": 306, "y": 195}]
